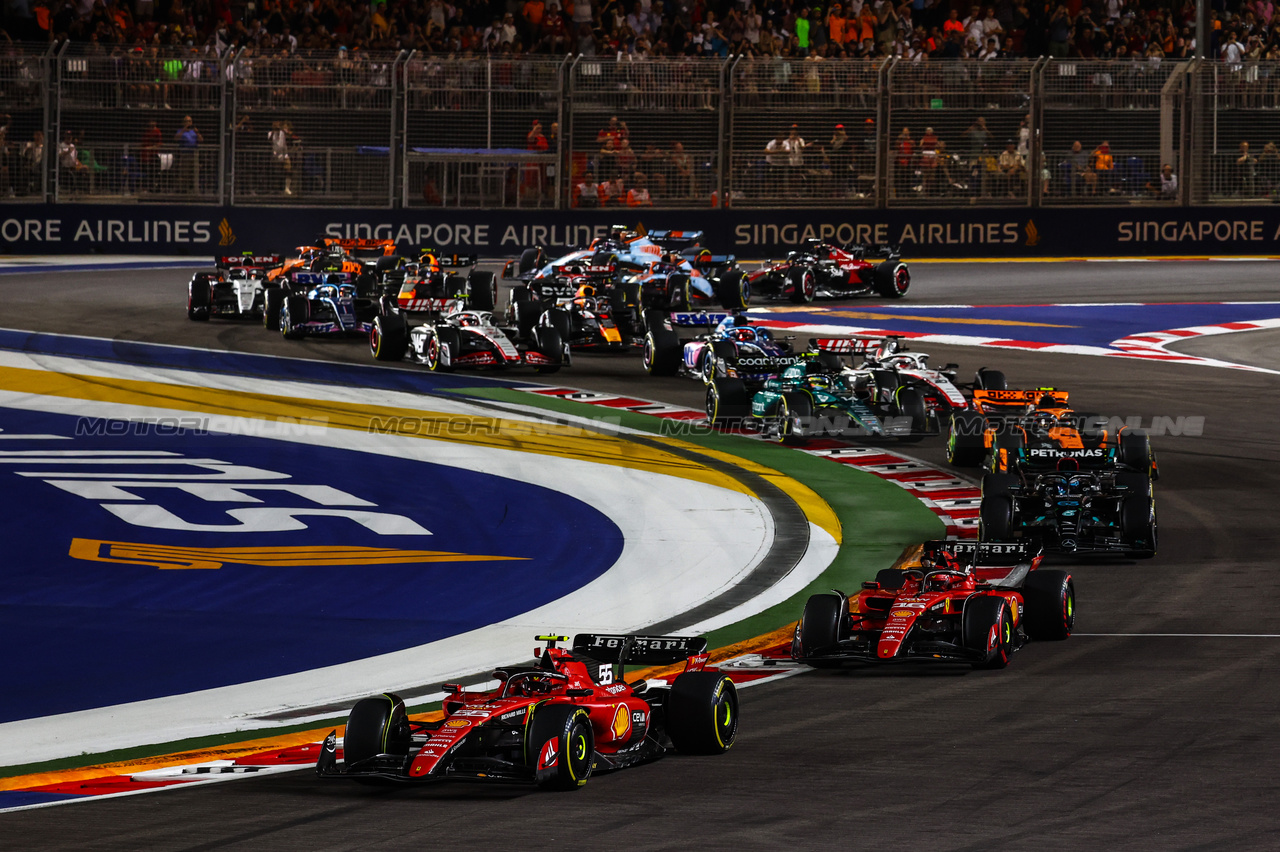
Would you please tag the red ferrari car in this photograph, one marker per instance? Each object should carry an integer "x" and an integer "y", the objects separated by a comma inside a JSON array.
[
  {"x": 823, "y": 270},
  {"x": 553, "y": 723},
  {"x": 963, "y": 602}
]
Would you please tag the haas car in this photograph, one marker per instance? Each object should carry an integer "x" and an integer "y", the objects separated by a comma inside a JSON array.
[
  {"x": 825, "y": 271},
  {"x": 553, "y": 724},
  {"x": 235, "y": 289},
  {"x": 453, "y": 338},
  {"x": 964, "y": 602}
]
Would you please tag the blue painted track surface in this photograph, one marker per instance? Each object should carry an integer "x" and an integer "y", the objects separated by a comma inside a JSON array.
[
  {"x": 85, "y": 634},
  {"x": 1085, "y": 325}
]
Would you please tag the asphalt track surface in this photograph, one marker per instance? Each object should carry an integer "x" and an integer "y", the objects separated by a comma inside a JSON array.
[{"x": 1142, "y": 731}]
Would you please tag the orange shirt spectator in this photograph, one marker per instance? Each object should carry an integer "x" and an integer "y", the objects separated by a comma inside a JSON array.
[
  {"x": 532, "y": 12},
  {"x": 638, "y": 196},
  {"x": 867, "y": 23},
  {"x": 835, "y": 25}
]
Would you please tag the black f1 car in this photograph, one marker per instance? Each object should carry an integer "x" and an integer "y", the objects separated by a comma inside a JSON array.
[
  {"x": 552, "y": 724},
  {"x": 234, "y": 289},
  {"x": 453, "y": 338},
  {"x": 962, "y": 602},
  {"x": 825, "y": 271}
]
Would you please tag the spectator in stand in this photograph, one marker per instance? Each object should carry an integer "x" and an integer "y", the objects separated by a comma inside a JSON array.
[
  {"x": 188, "y": 138},
  {"x": 535, "y": 140},
  {"x": 682, "y": 172},
  {"x": 612, "y": 193},
  {"x": 839, "y": 153},
  {"x": 586, "y": 193},
  {"x": 794, "y": 146},
  {"x": 1246, "y": 170},
  {"x": 977, "y": 136},
  {"x": 149, "y": 155},
  {"x": 1059, "y": 32},
  {"x": 1080, "y": 176},
  {"x": 990, "y": 51},
  {"x": 616, "y": 131},
  {"x": 953, "y": 24},
  {"x": 654, "y": 162},
  {"x": 278, "y": 139},
  {"x": 835, "y": 26},
  {"x": 1165, "y": 187},
  {"x": 531, "y": 13},
  {"x": 1013, "y": 170},
  {"x": 904, "y": 162},
  {"x": 1104, "y": 167},
  {"x": 555, "y": 35},
  {"x": 1269, "y": 169},
  {"x": 73, "y": 171},
  {"x": 626, "y": 157},
  {"x": 31, "y": 158},
  {"x": 775, "y": 158},
  {"x": 638, "y": 195}
]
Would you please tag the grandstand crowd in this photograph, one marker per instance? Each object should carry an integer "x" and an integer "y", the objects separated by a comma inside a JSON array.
[{"x": 913, "y": 29}]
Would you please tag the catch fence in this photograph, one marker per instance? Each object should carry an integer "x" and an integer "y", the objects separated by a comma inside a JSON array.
[{"x": 84, "y": 122}]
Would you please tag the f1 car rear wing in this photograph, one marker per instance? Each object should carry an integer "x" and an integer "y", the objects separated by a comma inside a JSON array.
[
  {"x": 355, "y": 244},
  {"x": 451, "y": 260},
  {"x": 864, "y": 250},
  {"x": 643, "y": 650},
  {"x": 1031, "y": 396},
  {"x": 676, "y": 240},
  {"x": 843, "y": 345},
  {"x": 979, "y": 553},
  {"x": 692, "y": 319},
  {"x": 229, "y": 260}
]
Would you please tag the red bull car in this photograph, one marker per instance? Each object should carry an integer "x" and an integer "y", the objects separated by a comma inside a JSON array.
[
  {"x": 962, "y": 602},
  {"x": 553, "y": 724}
]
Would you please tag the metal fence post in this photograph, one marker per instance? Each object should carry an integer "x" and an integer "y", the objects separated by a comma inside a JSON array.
[
  {"x": 884, "y": 141},
  {"x": 1036, "y": 163},
  {"x": 726, "y": 129}
]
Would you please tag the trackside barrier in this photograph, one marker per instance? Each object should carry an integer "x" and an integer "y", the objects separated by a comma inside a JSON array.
[{"x": 1003, "y": 232}]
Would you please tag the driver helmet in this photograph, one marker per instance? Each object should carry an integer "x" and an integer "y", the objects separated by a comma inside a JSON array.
[
  {"x": 1042, "y": 423},
  {"x": 468, "y": 320}
]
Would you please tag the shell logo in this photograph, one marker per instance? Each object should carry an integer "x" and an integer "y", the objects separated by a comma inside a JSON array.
[
  {"x": 621, "y": 722},
  {"x": 902, "y": 613},
  {"x": 457, "y": 723}
]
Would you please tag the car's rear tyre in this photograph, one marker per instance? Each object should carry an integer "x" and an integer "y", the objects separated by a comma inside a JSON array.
[
  {"x": 560, "y": 747},
  {"x": 389, "y": 337},
  {"x": 728, "y": 402},
  {"x": 991, "y": 379},
  {"x": 272, "y": 300},
  {"x": 547, "y": 341},
  {"x": 1050, "y": 597},
  {"x": 531, "y": 259},
  {"x": 803, "y": 284},
  {"x": 1006, "y": 451},
  {"x": 702, "y": 713},
  {"x": 995, "y": 522},
  {"x": 966, "y": 444},
  {"x": 375, "y": 726},
  {"x": 482, "y": 289},
  {"x": 1138, "y": 524},
  {"x": 891, "y": 279},
  {"x": 199, "y": 299},
  {"x": 525, "y": 313},
  {"x": 1135, "y": 450},
  {"x": 662, "y": 352},
  {"x": 821, "y": 622},
  {"x": 559, "y": 319},
  {"x": 733, "y": 289},
  {"x": 998, "y": 484},
  {"x": 909, "y": 402},
  {"x": 294, "y": 312},
  {"x": 984, "y": 614}
]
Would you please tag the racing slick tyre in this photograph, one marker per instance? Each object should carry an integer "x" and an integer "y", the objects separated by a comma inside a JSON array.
[
  {"x": 1050, "y": 597},
  {"x": 376, "y": 726},
  {"x": 1138, "y": 524},
  {"x": 199, "y": 299},
  {"x": 820, "y": 624},
  {"x": 891, "y": 279},
  {"x": 272, "y": 301},
  {"x": 560, "y": 746},
  {"x": 733, "y": 290},
  {"x": 1004, "y": 451},
  {"x": 681, "y": 293},
  {"x": 909, "y": 402},
  {"x": 482, "y": 290},
  {"x": 795, "y": 418},
  {"x": 389, "y": 337},
  {"x": 995, "y": 518},
  {"x": 559, "y": 319},
  {"x": 966, "y": 446},
  {"x": 986, "y": 626},
  {"x": 438, "y": 359},
  {"x": 886, "y": 384},
  {"x": 293, "y": 313},
  {"x": 1135, "y": 451},
  {"x": 531, "y": 259},
  {"x": 547, "y": 341},
  {"x": 662, "y": 351},
  {"x": 803, "y": 284},
  {"x": 990, "y": 379},
  {"x": 998, "y": 484},
  {"x": 702, "y": 713},
  {"x": 728, "y": 403},
  {"x": 602, "y": 259},
  {"x": 624, "y": 301},
  {"x": 525, "y": 314}
]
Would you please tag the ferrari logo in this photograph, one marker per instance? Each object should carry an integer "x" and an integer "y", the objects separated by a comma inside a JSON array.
[{"x": 166, "y": 557}]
